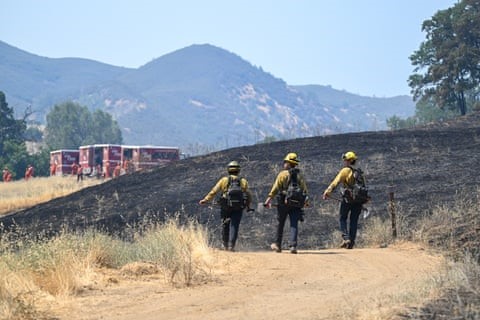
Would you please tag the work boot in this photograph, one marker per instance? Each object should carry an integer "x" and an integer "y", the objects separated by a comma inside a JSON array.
[
  {"x": 345, "y": 244},
  {"x": 275, "y": 247},
  {"x": 350, "y": 245},
  {"x": 293, "y": 250}
]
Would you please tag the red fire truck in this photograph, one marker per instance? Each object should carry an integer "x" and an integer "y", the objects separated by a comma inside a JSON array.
[
  {"x": 96, "y": 158},
  {"x": 146, "y": 157},
  {"x": 63, "y": 160}
]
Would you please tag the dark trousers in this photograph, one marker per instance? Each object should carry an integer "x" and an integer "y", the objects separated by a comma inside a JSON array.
[
  {"x": 230, "y": 225},
  {"x": 282, "y": 213},
  {"x": 353, "y": 211}
]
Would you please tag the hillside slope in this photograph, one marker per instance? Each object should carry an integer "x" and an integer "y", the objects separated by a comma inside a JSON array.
[{"x": 426, "y": 168}]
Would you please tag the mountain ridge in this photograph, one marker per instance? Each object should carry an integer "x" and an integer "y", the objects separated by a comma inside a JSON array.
[{"x": 197, "y": 95}]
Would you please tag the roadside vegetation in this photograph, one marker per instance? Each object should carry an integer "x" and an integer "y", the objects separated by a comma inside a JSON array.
[
  {"x": 31, "y": 270},
  {"x": 453, "y": 232},
  {"x": 16, "y": 195}
]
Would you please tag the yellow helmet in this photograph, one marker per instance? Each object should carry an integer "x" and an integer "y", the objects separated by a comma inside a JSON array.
[
  {"x": 233, "y": 167},
  {"x": 349, "y": 156},
  {"x": 292, "y": 158}
]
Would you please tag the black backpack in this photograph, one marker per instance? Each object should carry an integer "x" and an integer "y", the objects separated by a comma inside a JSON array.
[
  {"x": 358, "y": 192},
  {"x": 235, "y": 197},
  {"x": 294, "y": 195}
]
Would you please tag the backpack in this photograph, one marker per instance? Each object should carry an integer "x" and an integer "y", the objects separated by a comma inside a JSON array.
[
  {"x": 358, "y": 192},
  {"x": 294, "y": 196},
  {"x": 235, "y": 197}
]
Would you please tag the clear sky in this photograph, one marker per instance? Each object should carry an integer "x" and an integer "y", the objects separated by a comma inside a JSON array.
[{"x": 361, "y": 46}]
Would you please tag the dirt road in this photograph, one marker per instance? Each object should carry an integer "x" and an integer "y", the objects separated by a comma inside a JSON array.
[{"x": 325, "y": 284}]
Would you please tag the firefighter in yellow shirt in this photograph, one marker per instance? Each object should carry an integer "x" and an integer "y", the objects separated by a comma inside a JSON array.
[
  {"x": 346, "y": 178},
  {"x": 235, "y": 197},
  {"x": 284, "y": 208}
]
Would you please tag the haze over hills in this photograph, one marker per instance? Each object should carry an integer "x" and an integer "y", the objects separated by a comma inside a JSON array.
[{"x": 198, "y": 95}]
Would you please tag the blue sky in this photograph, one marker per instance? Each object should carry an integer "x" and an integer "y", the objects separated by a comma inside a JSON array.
[{"x": 361, "y": 46}]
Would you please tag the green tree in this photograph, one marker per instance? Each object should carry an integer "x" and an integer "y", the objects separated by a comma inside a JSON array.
[
  {"x": 395, "y": 122},
  {"x": 34, "y": 134},
  {"x": 41, "y": 161},
  {"x": 70, "y": 125},
  {"x": 446, "y": 64},
  {"x": 105, "y": 129},
  {"x": 17, "y": 158},
  {"x": 67, "y": 126},
  {"x": 427, "y": 111},
  {"x": 13, "y": 152},
  {"x": 11, "y": 129}
]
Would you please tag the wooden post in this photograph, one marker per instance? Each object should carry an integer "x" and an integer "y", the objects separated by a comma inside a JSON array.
[{"x": 391, "y": 208}]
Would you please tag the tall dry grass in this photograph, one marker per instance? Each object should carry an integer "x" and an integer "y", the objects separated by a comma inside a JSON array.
[
  {"x": 63, "y": 266},
  {"x": 377, "y": 231},
  {"x": 455, "y": 233},
  {"x": 21, "y": 194}
]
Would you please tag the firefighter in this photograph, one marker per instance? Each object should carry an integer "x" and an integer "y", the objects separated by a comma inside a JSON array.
[
  {"x": 29, "y": 172},
  {"x": 284, "y": 209},
  {"x": 117, "y": 170},
  {"x": 74, "y": 168},
  {"x": 98, "y": 171},
  {"x": 348, "y": 211},
  {"x": 130, "y": 167},
  {"x": 53, "y": 169},
  {"x": 77, "y": 169},
  {"x": 230, "y": 214},
  {"x": 107, "y": 170},
  {"x": 7, "y": 175}
]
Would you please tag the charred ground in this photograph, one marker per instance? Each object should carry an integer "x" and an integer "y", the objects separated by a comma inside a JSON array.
[{"x": 426, "y": 167}]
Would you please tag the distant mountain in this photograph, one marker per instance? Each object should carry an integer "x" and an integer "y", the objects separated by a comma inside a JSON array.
[
  {"x": 198, "y": 95},
  {"x": 27, "y": 79}
]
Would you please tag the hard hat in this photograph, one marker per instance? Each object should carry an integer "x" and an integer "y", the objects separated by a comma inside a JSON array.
[
  {"x": 291, "y": 158},
  {"x": 349, "y": 156},
  {"x": 233, "y": 166}
]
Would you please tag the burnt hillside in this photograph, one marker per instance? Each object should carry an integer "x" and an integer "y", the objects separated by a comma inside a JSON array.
[{"x": 431, "y": 166}]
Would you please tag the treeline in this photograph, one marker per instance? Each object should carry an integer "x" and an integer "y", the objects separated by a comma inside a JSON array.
[
  {"x": 446, "y": 78},
  {"x": 68, "y": 126},
  {"x": 424, "y": 113}
]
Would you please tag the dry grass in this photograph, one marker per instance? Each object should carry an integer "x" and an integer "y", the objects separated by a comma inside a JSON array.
[
  {"x": 377, "y": 231},
  {"x": 63, "y": 266},
  {"x": 17, "y": 294},
  {"x": 454, "y": 292},
  {"x": 181, "y": 251},
  {"x": 59, "y": 267},
  {"x": 22, "y": 194},
  {"x": 455, "y": 230},
  {"x": 393, "y": 306}
]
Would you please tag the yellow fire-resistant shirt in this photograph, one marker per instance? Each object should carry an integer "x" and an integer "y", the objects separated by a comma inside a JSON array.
[
  {"x": 344, "y": 176},
  {"x": 222, "y": 186},
  {"x": 281, "y": 183}
]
